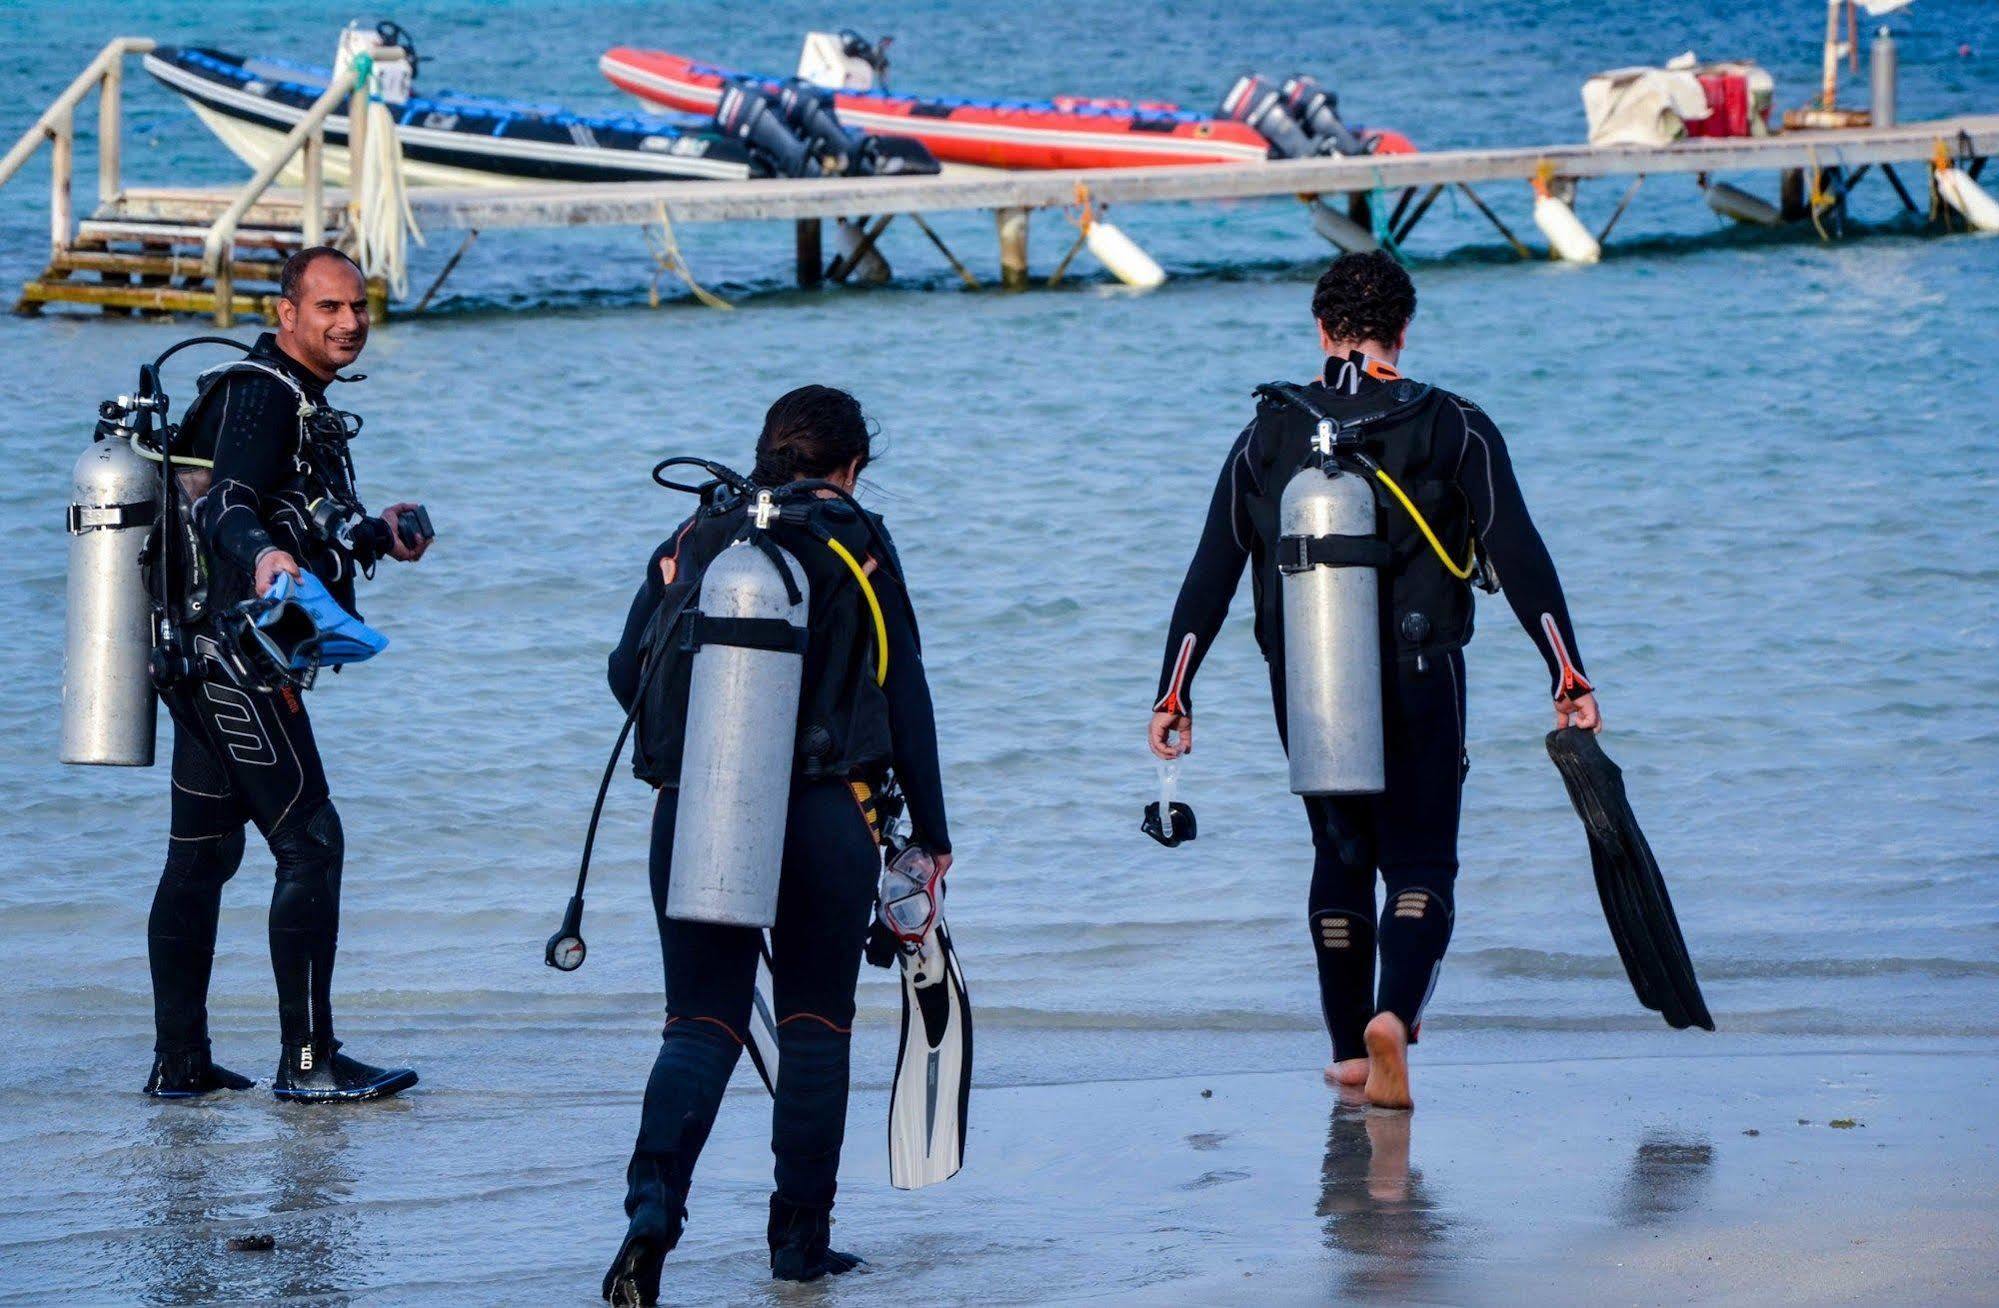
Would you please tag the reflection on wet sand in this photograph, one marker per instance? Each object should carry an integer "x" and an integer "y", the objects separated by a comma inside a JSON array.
[
  {"x": 1668, "y": 1175},
  {"x": 210, "y": 1173},
  {"x": 1377, "y": 1208}
]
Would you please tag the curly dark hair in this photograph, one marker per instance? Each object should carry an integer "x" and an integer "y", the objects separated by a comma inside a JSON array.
[
  {"x": 1364, "y": 297},
  {"x": 810, "y": 432}
]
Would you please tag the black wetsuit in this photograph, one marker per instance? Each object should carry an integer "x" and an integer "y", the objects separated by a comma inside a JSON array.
[
  {"x": 1409, "y": 833},
  {"x": 242, "y": 755},
  {"x": 830, "y": 872}
]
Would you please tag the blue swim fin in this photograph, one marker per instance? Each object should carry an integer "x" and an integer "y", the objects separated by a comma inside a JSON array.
[{"x": 310, "y": 628}]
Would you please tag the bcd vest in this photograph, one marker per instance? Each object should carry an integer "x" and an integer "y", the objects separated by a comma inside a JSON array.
[
  {"x": 842, "y": 726},
  {"x": 1424, "y": 609}
]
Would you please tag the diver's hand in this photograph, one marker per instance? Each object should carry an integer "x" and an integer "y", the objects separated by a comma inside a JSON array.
[
  {"x": 269, "y": 564},
  {"x": 1579, "y": 712},
  {"x": 942, "y": 862},
  {"x": 399, "y": 549},
  {"x": 1165, "y": 723}
]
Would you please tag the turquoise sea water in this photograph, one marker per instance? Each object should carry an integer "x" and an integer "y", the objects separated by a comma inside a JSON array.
[{"x": 1764, "y": 465}]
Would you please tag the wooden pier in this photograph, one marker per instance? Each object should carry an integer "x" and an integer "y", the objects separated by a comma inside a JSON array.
[{"x": 192, "y": 249}]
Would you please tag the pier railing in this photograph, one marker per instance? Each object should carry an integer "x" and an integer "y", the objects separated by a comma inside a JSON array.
[
  {"x": 307, "y": 138},
  {"x": 57, "y": 126}
]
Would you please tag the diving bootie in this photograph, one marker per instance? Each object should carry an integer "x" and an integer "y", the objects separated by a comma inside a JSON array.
[
  {"x": 799, "y": 1239},
  {"x": 634, "y": 1276},
  {"x": 189, "y": 1075},
  {"x": 319, "y": 1073}
]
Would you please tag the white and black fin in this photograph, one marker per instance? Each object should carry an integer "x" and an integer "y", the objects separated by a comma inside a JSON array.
[
  {"x": 933, "y": 1070},
  {"x": 762, "y": 1044}
]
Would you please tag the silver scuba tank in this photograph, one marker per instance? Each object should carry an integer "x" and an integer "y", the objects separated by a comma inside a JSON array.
[
  {"x": 742, "y": 725},
  {"x": 109, "y": 713},
  {"x": 1329, "y": 561}
]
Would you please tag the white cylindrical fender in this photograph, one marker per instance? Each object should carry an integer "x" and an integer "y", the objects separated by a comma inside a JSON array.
[
  {"x": 1966, "y": 196},
  {"x": 1734, "y": 202},
  {"x": 873, "y": 269},
  {"x": 1567, "y": 237},
  {"x": 740, "y": 739},
  {"x": 1341, "y": 231},
  {"x": 108, "y": 707},
  {"x": 1119, "y": 253}
]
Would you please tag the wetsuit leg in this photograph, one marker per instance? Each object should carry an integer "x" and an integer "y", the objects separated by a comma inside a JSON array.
[
  {"x": 265, "y": 744},
  {"x": 204, "y": 849},
  {"x": 710, "y": 974},
  {"x": 1417, "y": 830},
  {"x": 1340, "y": 908},
  {"x": 1341, "y": 916},
  {"x": 831, "y": 870}
]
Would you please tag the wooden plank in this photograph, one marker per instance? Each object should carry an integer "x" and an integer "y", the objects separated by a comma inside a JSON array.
[
  {"x": 156, "y": 299},
  {"x": 262, "y": 238},
  {"x": 161, "y": 265},
  {"x": 633, "y": 203}
]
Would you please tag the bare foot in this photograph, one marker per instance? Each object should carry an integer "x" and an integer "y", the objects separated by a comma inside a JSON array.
[
  {"x": 1348, "y": 1071},
  {"x": 1388, "y": 1062}
]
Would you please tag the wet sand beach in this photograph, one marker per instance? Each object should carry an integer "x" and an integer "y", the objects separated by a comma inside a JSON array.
[{"x": 1791, "y": 1175}]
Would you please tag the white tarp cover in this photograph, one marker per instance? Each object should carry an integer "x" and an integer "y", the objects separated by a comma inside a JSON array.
[{"x": 1642, "y": 106}]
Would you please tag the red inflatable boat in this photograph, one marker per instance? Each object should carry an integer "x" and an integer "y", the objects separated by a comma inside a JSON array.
[{"x": 1059, "y": 133}]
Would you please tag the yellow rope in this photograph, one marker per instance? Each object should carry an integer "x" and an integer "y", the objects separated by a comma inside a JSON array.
[
  {"x": 874, "y": 605},
  {"x": 1423, "y": 525},
  {"x": 666, "y": 254}
]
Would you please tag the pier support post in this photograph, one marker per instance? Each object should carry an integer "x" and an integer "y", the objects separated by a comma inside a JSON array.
[
  {"x": 62, "y": 164},
  {"x": 378, "y": 299},
  {"x": 1360, "y": 208},
  {"x": 811, "y": 256},
  {"x": 1013, "y": 248},
  {"x": 1793, "y": 204},
  {"x": 110, "y": 131}
]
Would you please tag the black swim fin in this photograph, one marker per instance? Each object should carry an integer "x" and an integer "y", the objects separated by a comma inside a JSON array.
[{"x": 1635, "y": 903}]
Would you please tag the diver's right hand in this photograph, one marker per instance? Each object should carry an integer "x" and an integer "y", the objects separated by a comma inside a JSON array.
[
  {"x": 269, "y": 564},
  {"x": 1165, "y": 723}
]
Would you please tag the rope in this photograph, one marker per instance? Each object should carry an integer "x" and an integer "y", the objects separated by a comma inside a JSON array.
[
  {"x": 1818, "y": 198},
  {"x": 667, "y": 258},
  {"x": 1377, "y": 213},
  {"x": 383, "y": 218}
]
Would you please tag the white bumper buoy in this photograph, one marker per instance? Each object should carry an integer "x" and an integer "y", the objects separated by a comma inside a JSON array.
[
  {"x": 1341, "y": 231},
  {"x": 1119, "y": 253},
  {"x": 872, "y": 270},
  {"x": 1960, "y": 192},
  {"x": 1734, "y": 202},
  {"x": 1567, "y": 237}
]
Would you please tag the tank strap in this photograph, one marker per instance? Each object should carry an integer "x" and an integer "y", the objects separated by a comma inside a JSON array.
[
  {"x": 743, "y": 633},
  {"x": 1336, "y": 428},
  {"x": 1303, "y": 553},
  {"x": 102, "y": 517}
]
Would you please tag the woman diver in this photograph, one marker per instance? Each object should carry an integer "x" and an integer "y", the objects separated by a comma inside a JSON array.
[{"x": 864, "y": 710}]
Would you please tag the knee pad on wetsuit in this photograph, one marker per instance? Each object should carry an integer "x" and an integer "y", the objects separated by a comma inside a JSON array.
[
  {"x": 206, "y": 863},
  {"x": 309, "y": 852},
  {"x": 1416, "y": 910}
]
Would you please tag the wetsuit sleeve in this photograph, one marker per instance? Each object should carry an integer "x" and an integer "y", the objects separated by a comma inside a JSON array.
[
  {"x": 1519, "y": 558},
  {"x": 623, "y": 672},
  {"x": 256, "y": 431},
  {"x": 912, "y": 721},
  {"x": 1210, "y": 583}
]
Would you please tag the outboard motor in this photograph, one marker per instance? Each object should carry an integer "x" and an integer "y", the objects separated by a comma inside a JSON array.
[
  {"x": 742, "y": 712},
  {"x": 1330, "y": 554},
  {"x": 1318, "y": 111},
  {"x": 747, "y": 113},
  {"x": 1260, "y": 105},
  {"x": 808, "y": 112}
]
